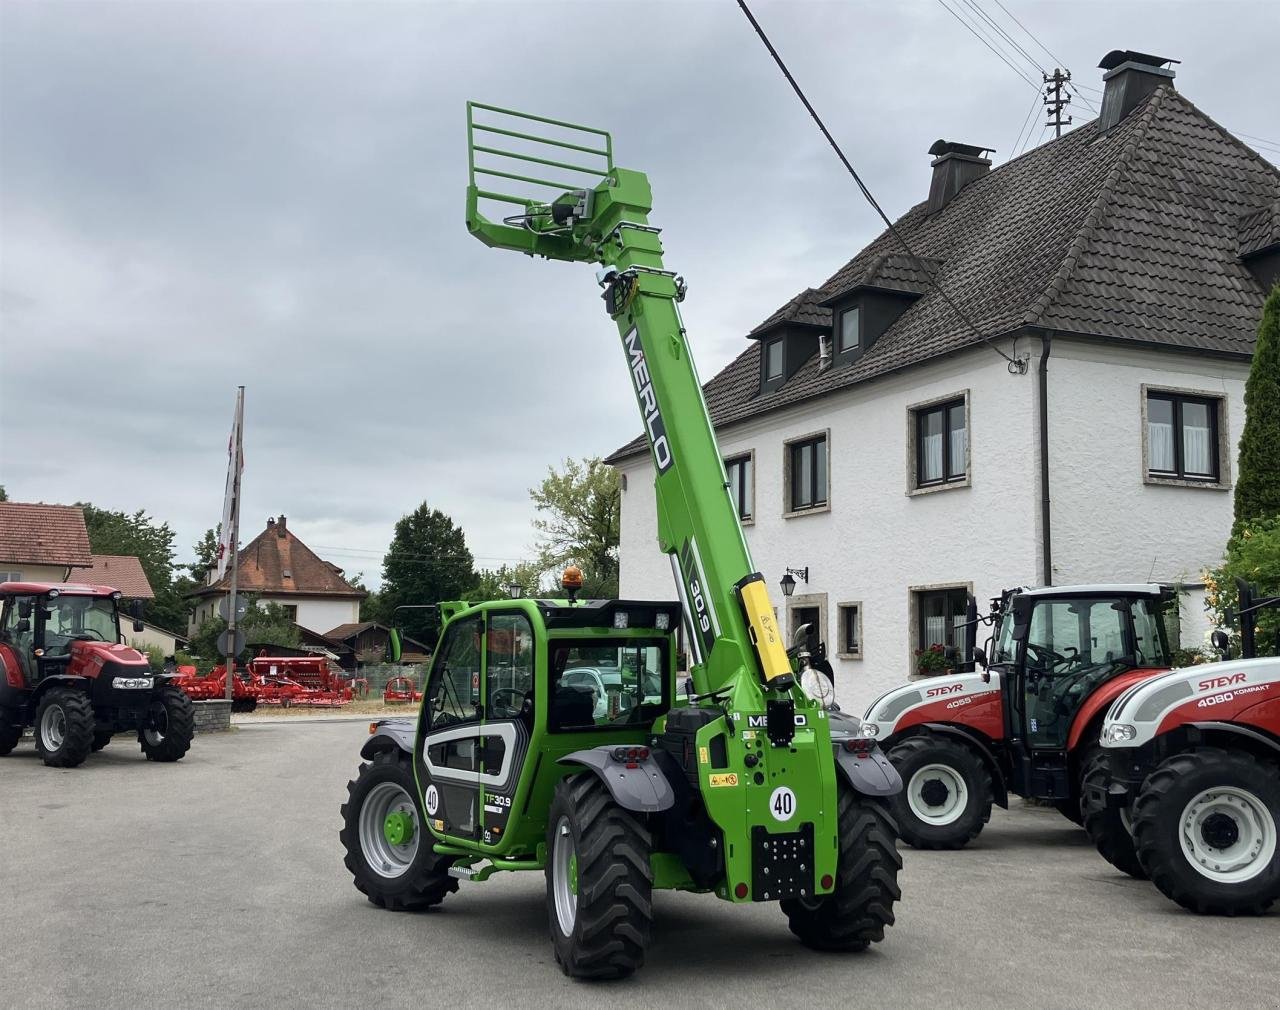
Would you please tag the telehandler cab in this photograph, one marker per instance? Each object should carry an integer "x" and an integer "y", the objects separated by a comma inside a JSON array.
[
  {"x": 1028, "y": 724},
  {"x": 550, "y": 736}
]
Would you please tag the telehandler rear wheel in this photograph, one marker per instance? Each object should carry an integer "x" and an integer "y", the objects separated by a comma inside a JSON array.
[
  {"x": 1109, "y": 828},
  {"x": 855, "y": 914},
  {"x": 390, "y": 852},
  {"x": 947, "y": 793},
  {"x": 599, "y": 881}
]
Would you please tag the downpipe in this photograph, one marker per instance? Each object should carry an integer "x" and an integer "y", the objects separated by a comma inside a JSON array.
[{"x": 1046, "y": 534}]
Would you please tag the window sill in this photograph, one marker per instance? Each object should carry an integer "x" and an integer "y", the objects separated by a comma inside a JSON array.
[
  {"x": 848, "y": 655},
  {"x": 749, "y": 521},
  {"x": 816, "y": 510},
  {"x": 934, "y": 488},
  {"x": 1204, "y": 485}
]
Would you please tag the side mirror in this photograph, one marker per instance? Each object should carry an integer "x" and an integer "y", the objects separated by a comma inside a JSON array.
[
  {"x": 24, "y": 609},
  {"x": 1021, "y": 609},
  {"x": 135, "y": 611},
  {"x": 980, "y": 659},
  {"x": 139, "y": 627}
]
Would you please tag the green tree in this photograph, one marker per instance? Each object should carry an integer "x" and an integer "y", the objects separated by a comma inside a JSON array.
[
  {"x": 495, "y": 583},
  {"x": 1258, "y": 479},
  {"x": 4, "y": 496},
  {"x": 139, "y": 535},
  {"x": 579, "y": 518},
  {"x": 1253, "y": 555},
  {"x": 206, "y": 553},
  {"x": 263, "y": 623},
  {"x": 428, "y": 561}
]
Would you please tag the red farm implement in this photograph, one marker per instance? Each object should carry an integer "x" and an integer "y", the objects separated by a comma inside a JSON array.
[
  {"x": 299, "y": 680},
  {"x": 401, "y": 690},
  {"x": 213, "y": 686}
]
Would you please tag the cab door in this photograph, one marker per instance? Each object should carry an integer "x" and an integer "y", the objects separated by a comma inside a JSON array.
[
  {"x": 449, "y": 746},
  {"x": 508, "y": 705}
]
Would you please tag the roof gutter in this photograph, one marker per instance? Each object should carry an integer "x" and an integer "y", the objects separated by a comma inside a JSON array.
[{"x": 1046, "y": 533}]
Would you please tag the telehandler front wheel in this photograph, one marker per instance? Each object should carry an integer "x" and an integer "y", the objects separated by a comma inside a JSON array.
[
  {"x": 390, "y": 851},
  {"x": 947, "y": 793},
  {"x": 599, "y": 881},
  {"x": 855, "y": 914}
]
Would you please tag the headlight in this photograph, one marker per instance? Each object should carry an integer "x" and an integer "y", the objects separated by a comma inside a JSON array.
[
  {"x": 662, "y": 622},
  {"x": 620, "y": 619},
  {"x": 1119, "y": 732},
  {"x": 871, "y": 729}
]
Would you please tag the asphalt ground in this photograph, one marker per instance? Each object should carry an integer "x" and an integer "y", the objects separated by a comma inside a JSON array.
[{"x": 218, "y": 882}]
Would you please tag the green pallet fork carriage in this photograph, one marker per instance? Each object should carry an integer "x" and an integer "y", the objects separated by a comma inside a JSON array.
[{"x": 550, "y": 736}]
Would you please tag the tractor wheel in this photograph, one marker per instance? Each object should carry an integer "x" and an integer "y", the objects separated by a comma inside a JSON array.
[
  {"x": 1108, "y": 827},
  {"x": 390, "y": 852},
  {"x": 599, "y": 881},
  {"x": 10, "y": 732},
  {"x": 101, "y": 738},
  {"x": 1072, "y": 809},
  {"x": 171, "y": 723},
  {"x": 946, "y": 798},
  {"x": 1205, "y": 824},
  {"x": 855, "y": 914},
  {"x": 64, "y": 727}
]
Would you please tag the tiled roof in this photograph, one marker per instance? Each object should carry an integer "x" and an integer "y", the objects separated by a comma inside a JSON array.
[
  {"x": 803, "y": 310},
  {"x": 121, "y": 572},
  {"x": 1132, "y": 235},
  {"x": 1260, "y": 229},
  {"x": 278, "y": 563},
  {"x": 43, "y": 535},
  {"x": 345, "y": 631}
]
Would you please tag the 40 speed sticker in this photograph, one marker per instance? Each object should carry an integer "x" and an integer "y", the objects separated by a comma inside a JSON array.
[
  {"x": 782, "y": 804},
  {"x": 433, "y": 801}
]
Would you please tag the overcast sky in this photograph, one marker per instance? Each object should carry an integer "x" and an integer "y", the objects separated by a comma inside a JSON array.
[{"x": 198, "y": 195}]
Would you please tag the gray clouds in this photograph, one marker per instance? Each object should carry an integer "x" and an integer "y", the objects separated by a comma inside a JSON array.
[{"x": 195, "y": 195}]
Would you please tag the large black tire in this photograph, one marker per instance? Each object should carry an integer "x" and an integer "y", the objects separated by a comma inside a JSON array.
[
  {"x": 1194, "y": 801},
  {"x": 171, "y": 725},
  {"x": 600, "y": 928},
  {"x": 101, "y": 738},
  {"x": 1104, "y": 823},
  {"x": 64, "y": 727},
  {"x": 856, "y": 913},
  {"x": 1073, "y": 808},
  {"x": 946, "y": 795},
  {"x": 10, "y": 731},
  {"x": 400, "y": 878}
]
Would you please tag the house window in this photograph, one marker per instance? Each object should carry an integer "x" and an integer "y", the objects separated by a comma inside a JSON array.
[
  {"x": 807, "y": 461},
  {"x": 773, "y": 360},
  {"x": 850, "y": 629},
  {"x": 741, "y": 490},
  {"x": 10, "y": 576},
  {"x": 290, "y": 611},
  {"x": 850, "y": 336},
  {"x": 940, "y": 615},
  {"x": 1182, "y": 437},
  {"x": 942, "y": 442}
]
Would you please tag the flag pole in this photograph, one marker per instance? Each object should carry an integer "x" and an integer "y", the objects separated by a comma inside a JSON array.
[{"x": 236, "y": 461}]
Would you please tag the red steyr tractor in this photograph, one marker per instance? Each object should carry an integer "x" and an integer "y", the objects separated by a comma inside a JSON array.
[
  {"x": 65, "y": 671},
  {"x": 1028, "y": 725}
]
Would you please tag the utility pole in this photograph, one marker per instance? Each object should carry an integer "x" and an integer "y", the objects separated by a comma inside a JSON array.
[{"x": 1057, "y": 98}]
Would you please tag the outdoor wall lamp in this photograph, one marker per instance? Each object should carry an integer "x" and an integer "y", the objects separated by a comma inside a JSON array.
[
  {"x": 514, "y": 590},
  {"x": 788, "y": 582}
]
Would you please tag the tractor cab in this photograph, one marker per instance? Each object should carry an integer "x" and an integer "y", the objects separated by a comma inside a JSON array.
[
  {"x": 1063, "y": 654},
  {"x": 42, "y": 623}
]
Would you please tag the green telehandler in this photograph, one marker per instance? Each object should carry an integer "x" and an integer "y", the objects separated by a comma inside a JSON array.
[{"x": 551, "y": 735}]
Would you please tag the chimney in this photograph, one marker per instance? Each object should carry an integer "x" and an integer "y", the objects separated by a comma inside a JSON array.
[
  {"x": 271, "y": 522},
  {"x": 1130, "y": 78},
  {"x": 281, "y": 528},
  {"x": 824, "y": 351},
  {"x": 954, "y": 167}
]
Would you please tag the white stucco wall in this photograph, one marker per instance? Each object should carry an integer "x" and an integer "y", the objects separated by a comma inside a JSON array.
[
  {"x": 1109, "y": 524},
  {"x": 19, "y": 572},
  {"x": 319, "y": 615},
  {"x": 876, "y": 542}
]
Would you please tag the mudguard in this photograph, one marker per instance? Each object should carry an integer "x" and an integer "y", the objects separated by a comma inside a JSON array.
[
  {"x": 644, "y": 789},
  {"x": 871, "y": 775},
  {"x": 53, "y": 680},
  {"x": 391, "y": 734}
]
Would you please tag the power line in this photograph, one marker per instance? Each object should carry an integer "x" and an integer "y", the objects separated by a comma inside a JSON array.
[
  {"x": 1018, "y": 364},
  {"x": 1001, "y": 56},
  {"x": 988, "y": 19},
  {"x": 1017, "y": 143},
  {"x": 1031, "y": 35}
]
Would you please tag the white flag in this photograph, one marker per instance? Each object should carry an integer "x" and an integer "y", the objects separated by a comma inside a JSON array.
[{"x": 230, "y": 505}]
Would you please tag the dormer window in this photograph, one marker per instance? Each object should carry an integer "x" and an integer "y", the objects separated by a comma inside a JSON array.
[
  {"x": 849, "y": 331},
  {"x": 773, "y": 360}
]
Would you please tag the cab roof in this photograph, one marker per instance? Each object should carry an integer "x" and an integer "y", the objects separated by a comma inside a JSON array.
[{"x": 1098, "y": 589}]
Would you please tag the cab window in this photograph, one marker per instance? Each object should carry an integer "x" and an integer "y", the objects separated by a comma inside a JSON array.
[
  {"x": 606, "y": 682},
  {"x": 509, "y": 666},
  {"x": 453, "y": 696}
]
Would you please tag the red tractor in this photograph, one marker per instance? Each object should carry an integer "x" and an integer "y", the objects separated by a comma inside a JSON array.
[
  {"x": 1029, "y": 724},
  {"x": 65, "y": 672},
  {"x": 1190, "y": 792}
]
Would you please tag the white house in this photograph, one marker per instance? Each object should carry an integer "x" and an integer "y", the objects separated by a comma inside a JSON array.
[
  {"x": 277, "y": 567},
  {"x": 1082, "y": 429}
]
